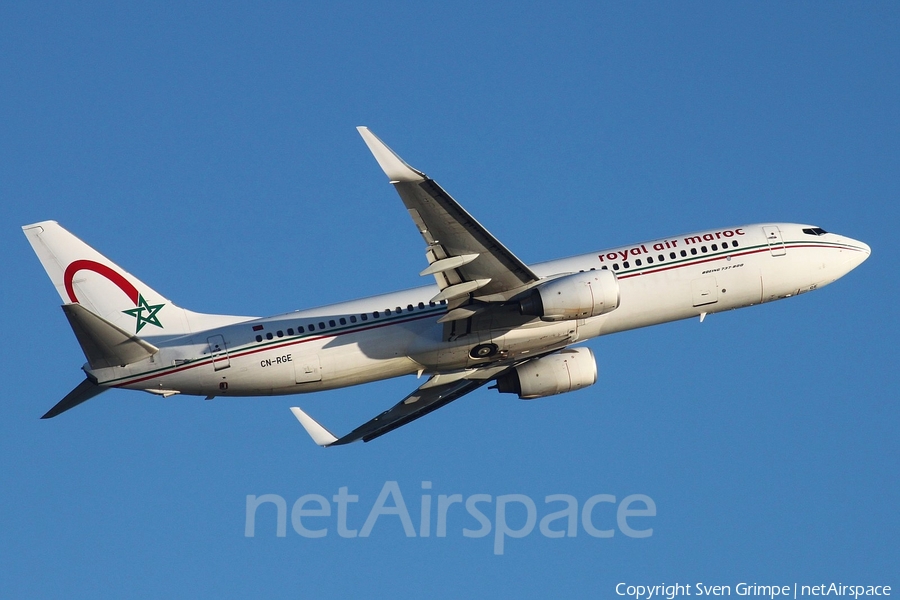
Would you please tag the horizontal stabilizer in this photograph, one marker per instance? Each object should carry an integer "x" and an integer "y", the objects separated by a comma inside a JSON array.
[
  {"x": 104, "y": 344},
  {"x": 85, "y": 390}
]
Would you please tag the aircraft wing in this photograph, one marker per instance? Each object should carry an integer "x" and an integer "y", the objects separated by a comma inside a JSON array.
[
  {"x": 430, "y": 396},
  {"x": 465, "y": 259}
]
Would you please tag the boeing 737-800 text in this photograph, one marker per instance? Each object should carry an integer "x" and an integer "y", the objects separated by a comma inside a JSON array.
[{"x": 489, "y": 317}]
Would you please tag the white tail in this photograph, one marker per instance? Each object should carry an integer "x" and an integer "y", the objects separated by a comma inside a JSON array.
[{"x": 84, "y": 276}]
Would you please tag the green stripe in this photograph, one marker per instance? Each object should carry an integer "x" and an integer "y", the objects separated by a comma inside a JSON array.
[
  {"x": 687, "y": 259},
  {"x": 282, "y": 340}
]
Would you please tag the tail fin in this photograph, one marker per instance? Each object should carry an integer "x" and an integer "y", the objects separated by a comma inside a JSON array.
[{"x": 84, "y": 276}]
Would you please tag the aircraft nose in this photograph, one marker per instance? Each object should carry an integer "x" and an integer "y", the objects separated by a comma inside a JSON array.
[
  {"x": 858, "y": 255},
  {"x": 864, "y": 250}
]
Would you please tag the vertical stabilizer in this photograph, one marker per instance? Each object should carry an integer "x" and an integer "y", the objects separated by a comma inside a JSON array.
[{"x": 84, "y": 276}]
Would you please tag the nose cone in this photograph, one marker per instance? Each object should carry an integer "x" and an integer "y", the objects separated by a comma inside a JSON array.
[
  {"x": 853, "y": 254},
  {"x": 862, "y": 253}
]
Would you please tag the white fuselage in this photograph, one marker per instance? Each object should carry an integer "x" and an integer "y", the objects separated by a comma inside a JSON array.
[{"x": 398, "y": 334}]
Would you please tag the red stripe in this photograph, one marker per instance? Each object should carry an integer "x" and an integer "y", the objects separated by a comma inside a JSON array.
[
  {"x": 692, "y": 263},
  {"x": 267, "y": 348},
  {"x": 105, "y": 271},
  {"x": 652, "y": 270},
  {"x": 361, "y": 329}
]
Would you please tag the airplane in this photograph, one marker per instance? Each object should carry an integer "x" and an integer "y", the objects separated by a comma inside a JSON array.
[{"x": 488, "y": 318}]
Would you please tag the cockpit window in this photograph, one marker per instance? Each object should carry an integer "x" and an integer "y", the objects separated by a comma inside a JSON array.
[{"x": 814, "y": 231}]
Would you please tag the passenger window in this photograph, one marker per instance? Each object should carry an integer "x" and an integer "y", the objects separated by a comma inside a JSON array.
[
  {"x": 661, "y": 258},
  {"x": 604, "y": 268},
  {"x": 715, "y": 247},
  {"x": 703, "y": 249},
  {"x": 683, "y": 253},
  {"x": 649, "y": 260},
  {"x": 638, "y": 262},
  {"x": 421, "y": 305},
  {"x": 672, "y": 255},
  {"x": 734, "y": 243},
  {"x": 615, "y": 266},
  {"x": 290, "y": 331},
  {"x": 387, "y": 311},
  {"x": 376, "y": 314},
  {"x": 364, "y": 317},
  {"x": 312, "y": 327},
  {"x": 259, "y": 338},
  {"x": 399, "y": 310},
  {"x": 269, "y": 336},
  {"x": 300, "y": 329},
  {"x": 625, "y": 265},
  {"x": 693, "y": 251},
  {"x": 321, "y": 325},
  {"x": 409, "y": 308},
  {"x": 353, "y": 318},
  {"x": 279, "y": 333}
]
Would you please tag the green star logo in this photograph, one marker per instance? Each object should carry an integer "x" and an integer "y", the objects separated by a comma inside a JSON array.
[{"x": 145, "y": 313}]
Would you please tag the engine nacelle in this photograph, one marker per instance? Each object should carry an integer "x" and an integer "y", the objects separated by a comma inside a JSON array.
[
  {"x": 575, "y": 296},
  {"x": 564, "y": 371}
]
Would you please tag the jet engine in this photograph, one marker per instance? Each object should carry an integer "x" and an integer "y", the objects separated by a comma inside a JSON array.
[
  {"x": 564, "y": 371},
  {"x": 575, "y": 296}
]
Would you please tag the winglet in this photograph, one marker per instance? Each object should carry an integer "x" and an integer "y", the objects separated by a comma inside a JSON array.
[
  {"x": 392, "y": 165},
  {"x": 319, "y": 434}
]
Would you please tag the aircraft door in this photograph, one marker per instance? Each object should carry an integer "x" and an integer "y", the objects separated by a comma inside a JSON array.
[
  {"x": 219, "y": 352},
  {"x": 307, "y": 368},
  {"x": 704, "y": 291},
  {"x": 773, "y": 239}
]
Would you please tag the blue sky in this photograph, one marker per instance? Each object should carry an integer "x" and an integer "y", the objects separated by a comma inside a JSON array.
[{"x": 210, "y": 149}]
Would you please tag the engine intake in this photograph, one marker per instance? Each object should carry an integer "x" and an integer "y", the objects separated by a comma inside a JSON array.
[
  {"x": 564, "y": 371},
  {"x": 575, "y": 296}
]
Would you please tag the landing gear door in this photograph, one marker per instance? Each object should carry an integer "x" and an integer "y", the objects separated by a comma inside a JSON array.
[
  {"x": 219, "y": 352},
  {"x": 773, "y": 239}
]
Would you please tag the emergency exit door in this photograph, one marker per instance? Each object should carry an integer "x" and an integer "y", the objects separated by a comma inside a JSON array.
[{"x": 773, "y": 239}]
